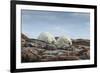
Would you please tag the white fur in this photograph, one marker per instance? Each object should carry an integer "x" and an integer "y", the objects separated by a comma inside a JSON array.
[
  {"x": 63, "y": 41},
  {"x": 47, "y": 37}
]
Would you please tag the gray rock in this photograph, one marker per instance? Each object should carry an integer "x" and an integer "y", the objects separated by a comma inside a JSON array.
[
  {"x": 50, "y": 47},
  {"x": 30, "y": 55}
]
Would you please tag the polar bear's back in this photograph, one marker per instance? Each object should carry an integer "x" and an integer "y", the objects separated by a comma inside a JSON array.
[{"x": 47, "y": 37}]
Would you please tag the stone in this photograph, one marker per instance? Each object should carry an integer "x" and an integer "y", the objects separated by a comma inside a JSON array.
[
  {"x": 50, "y": 47},
  {"x": 29, "y": 55}
]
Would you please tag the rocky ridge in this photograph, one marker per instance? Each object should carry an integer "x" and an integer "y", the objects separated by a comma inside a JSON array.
[{"x": 33, "y": 50}]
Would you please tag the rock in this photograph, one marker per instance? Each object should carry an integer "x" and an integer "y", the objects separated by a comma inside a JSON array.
[
  {"x": 34, "y": 50},
  {"x": 23, "y": 42},
  {"x": 63, "y": 54},
  {"x": 40, "y": 51},
  {"x": 38, "y": 43},
  {"x": 30, "y": 44},
  {"x": 29, "y": 55},
  {"x": 50, "y": 52},
  {"x": 85, "y": 42},
  {"x": 49, "y": 58},
  {"x": 50, "y": 47},
  {"x": 85, "y": 55},
  {"x": 23, "y": 36},
  {"x": 69, "y": 58}
]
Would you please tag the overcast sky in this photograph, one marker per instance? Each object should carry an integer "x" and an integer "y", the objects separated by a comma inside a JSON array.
[{"x": 72, "y": 24}]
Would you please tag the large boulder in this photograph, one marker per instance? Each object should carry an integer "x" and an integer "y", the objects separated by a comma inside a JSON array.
[
  {"x": 50, "y": 47},
  {"x": 30, "y": 55}
]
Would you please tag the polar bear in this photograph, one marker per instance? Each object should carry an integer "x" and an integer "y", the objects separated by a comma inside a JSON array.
[
  {"x": 63, "y": 41},
  {"x": 47, "y": 37}
]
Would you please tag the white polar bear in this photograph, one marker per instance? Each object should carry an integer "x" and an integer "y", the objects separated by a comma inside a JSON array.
[
  {"x": 47, "y": 37},
  {"x": 63, "y": 41}
]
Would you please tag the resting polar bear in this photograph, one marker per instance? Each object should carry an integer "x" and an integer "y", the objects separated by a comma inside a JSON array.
[
  {"x": 47, "y": 37},
  {"x": 63, "y": 41}
]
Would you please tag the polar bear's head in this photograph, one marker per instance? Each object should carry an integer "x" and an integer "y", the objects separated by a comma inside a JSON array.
[
  {"x": 63, "y": 41},
  {"x": 47, "y": 37}
]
